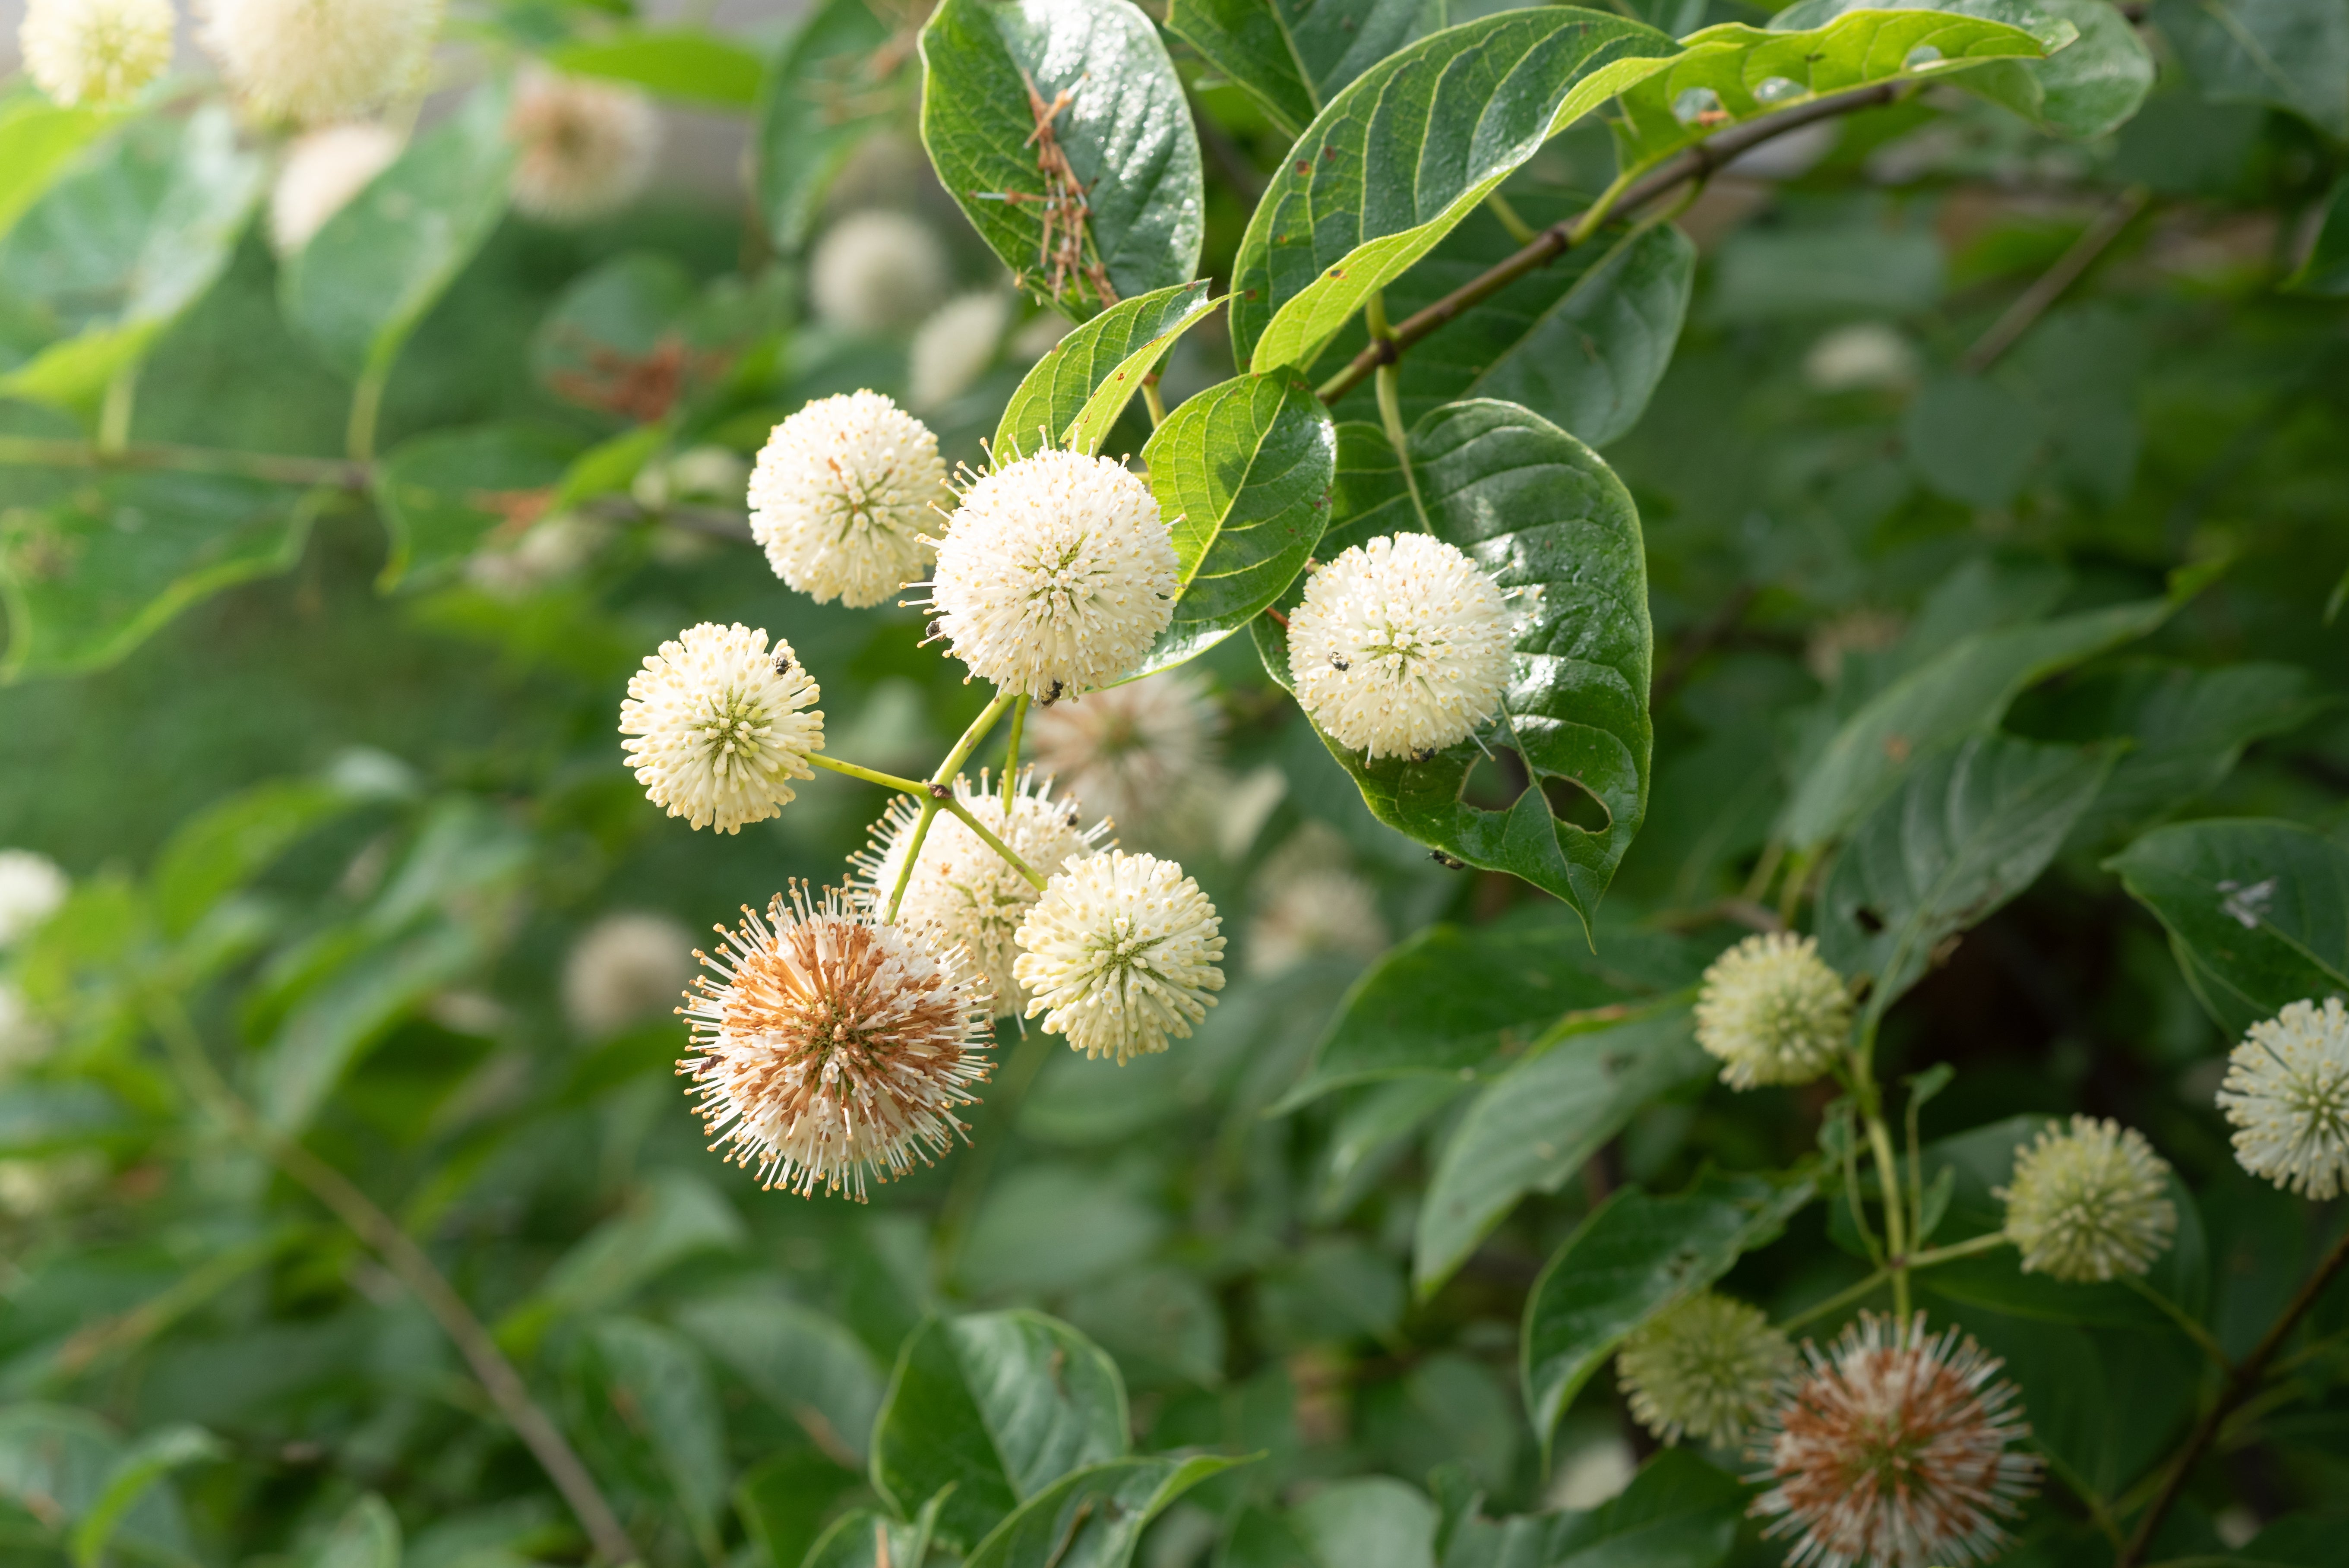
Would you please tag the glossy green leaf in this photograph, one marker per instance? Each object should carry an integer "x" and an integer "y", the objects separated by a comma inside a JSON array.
[
  {"x": 1074, "y": 394},
  {"x": 367, "y": 277},
  {"x": 118, "y": 247},
  {"x": 1461, "y": 110},
  {"x": 643, "y": 1396},
  {"x": 804, "y": 1364},
  {"x": 2324, "y": 271},
  {"x": 2089, "y": 88},
  {"x": 328, "y": 1030},
  {"x": 142, "y": 1465},
  {"x": 442, "y": 495},
  {"x": 1969, "y": 829},
  {"x": 91, "y": 565},
  {"x": 784, "y": 1500},
  {"x": 1635, "y": 1257},
  {"x": 1293, "y": 56},
  {"x": 683, "y": 63},
  {"x": 37, "y": 137},
  {"x": 1093, "y": 1518},
  {"x": 1000, "y": 1404},
  {"x": 2292, "y": 54},
  {"x": 2257, "y": 912},
  {"x": 1124, "y": 129},
  {"x": 1545, "y": 515},
  {"x": 1242, "y": 473},
  {"x": 831, "y": 87},
  {"x": 1536, "y": 1125},
  {"x": 366, "y": 1536}
]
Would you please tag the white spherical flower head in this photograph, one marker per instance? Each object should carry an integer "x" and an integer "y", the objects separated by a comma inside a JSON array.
[
  {"x": 954, "y": 348},
  {"x": 2287, "y": 1092},
  {"x": 323, "y": 171},
  {"x": 1313, "y": 914},
  {"x": 583, "y": 149},
  {"x": 32, "y": 889},
  {"x": 1055, "y": 576},
  {"x": 876, "y": 270},
  {"x": 962, "y": 894},
  {"x": 95, "y": 51},
  {"x": 1119, "y": 954},
  {"x": 624, "y": 967},
  {"x": 313, "y": 61},
  {"x": 1401, "y": 647},
  {"x": 718, "y": 724},
  {"x": 832, "y": 1048},
  {"x": 1772, "y": 1011},
  {"x": 845, "y": 498},
  {"x": 1127, "y": 751},
  {"x": 1710, "y": 1368},
  {"x": 2090, "y": 1203}
]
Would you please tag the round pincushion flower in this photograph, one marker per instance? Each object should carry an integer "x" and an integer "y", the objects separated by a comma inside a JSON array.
[
  {"x": 583, "y": 148},
  {"x": 845, "y": 498},
  {"x": 624, "y": 967},
  {"x": 1401, "y": 647},
  {"x": 1710, "y": 1368},
  {"x": 2090, "y": 1203},
  {"x": 1893, "y": 1452},
  {"x": 313, "y": 61},
  {"x": 1313, "y": 913},
  {"x": 954, "y": 347},
  {"x": 1119, "y": 954},
  {"x": 962, "y": 894},
  {"x": 1055, "y": 576},
  {"x": 323, "y": 171},
  {"x": 833, "y": 1049},
  {"x": 876, "y": 270},
  {"x": 1127, "y": 751},
  {"x": 2287, "y": 1092},
  {"x": 1773, "y": 1011},
  {"x": 95, "y": 51},
  {"x": 719, "y": 725}
]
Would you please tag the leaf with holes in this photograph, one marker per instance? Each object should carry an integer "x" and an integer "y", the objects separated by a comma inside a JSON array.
[
  {"x": 834, "y": 85},
  {"x": 2293, "y": 54},
  {"x": 1458, "y": 111},
  {"x": 1075, "y": 393},
  {"x": 1242, "y": 474},
  {"x": 2090, "y": 87},
  {"x": 1637, "y": 1255},
  {"x": 1543, "y": 514},
  {"x": 1084, "y": 85},
  {"x": 1293, "y": 57},
  {"x": 1093, "y": 1518}
]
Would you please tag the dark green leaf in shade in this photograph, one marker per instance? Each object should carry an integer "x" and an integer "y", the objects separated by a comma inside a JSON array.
[
  {"x": 2257, "y": 912},
  {"x": 1545, "y": 515},
  {"x": 1293, "y": 56},
  {"x": 1635, "y": 1257},
  {"x": 1536, "y": 1125},
  {"x": 804, "y": 1364},
  {"x": 443, "y": 495},
  {"x": 323, "y": 1037},
  {"x": 863, "y": 1537},
  {"x": 1834, "y": 271},
  {"x": 58, "y": 1465},
  {"x": 2324, "y": 271},
  {"x": 674, "y": 1215},
  {"x": 1972, "y": 440},
  {"x": 1124, "y": 129},
  {"x": 1242, "y": 474},
  {"x": 1093, "y": 1518},
  {"x": 2292, "y": 54},
  {"x": 143, "y": 1465},
  {"x": 684, "y": 63},
  {"x": 223, "y": 847},
  {"x": 1074, "y": 394},
  {"x": 366, "y": 1536},
  {"x": 642, "y": 1399},
  {"x": 2089, "y": 88},
  {"x": 833, "y": 85},
  {"x": 784, "y": 1500},
  {"x": 1678, "y": 1512},
  {"x": 1363, "y": 1522}
]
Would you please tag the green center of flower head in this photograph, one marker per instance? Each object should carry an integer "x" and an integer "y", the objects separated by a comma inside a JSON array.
[{"x": 735, "y": 724}]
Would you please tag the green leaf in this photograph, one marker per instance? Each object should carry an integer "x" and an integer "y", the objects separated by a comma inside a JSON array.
[
  {"x": 2087, "y": 90},
  {"x": 610, "y": 320},
  {"x": 1046, "y": 1228},
  {"x": 1543, "y": 513},
  {"x": 142, "y": 1464},
  {"x": 227, "y": 844},
  {"x": 2292, "y": 54},
  {"x": 644, "y": 1396},
  {"x": 328, "y": 1031},
  {"x": 1075, "y": 393},
  {"x": 829, "y": 89},
  {"x": 1125, "y": 130},
  {"x": 1840, "y": 271},
  {"x": 674, "y": 1216},
  {"x": 1242, "y": 473},
  {"x": 92, "y": 564},
  {"x": 120, "y": 246},
  {"x": 1537, "y": 1124},
  {"x": 1460, "y": 111},
  {"x": 1368, "y": 1522},
  {"x": 1972, "y": 440},
  {"x": 784, "y": 1498},
  {"x": 1637, "y": 1255},
  {"x": 1678, "y": 1512},
  {"x": 367, "y": 277},
  {"x": 1961, "y": 691},
  {"x": 1969, "y": 829},
  {"x": 999, "y": 1404},
  {"x": 2257, "y": 912},
  {"x": 1293, "y": 56},
  {"x": 1095, "y": 1517},
  {"x": 2324, "y": 271},
  {"x": 58, "y": 1465},
  {"x": 683, "y": 63},
  {"x": 37, "y": 137},
  {"x": 804, "y": 1364},
  {"x": 866, "y": 1539},
  {"x": 366, "y": 1536},
  {"x": 443, "y": 494}
]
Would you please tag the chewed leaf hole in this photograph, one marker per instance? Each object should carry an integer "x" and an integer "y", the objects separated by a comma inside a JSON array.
[
  {"x": 1495, "y": 781},
  {"x": 1777, "y": 89},
  {"x": 1698, "y": 106},
  {"x": 1921, "y": 56},
  {"x": 1573, "y": 804}
]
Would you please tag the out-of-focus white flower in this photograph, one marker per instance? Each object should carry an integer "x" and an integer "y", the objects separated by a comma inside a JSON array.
[
  {"x": 1055, "y": 576},
  {"x": 1772, "y": 1011},
  {"x": 845, "y": 498},
  {"x": 876, "y": 270},
  {"x": 549, "y": 552},
  {"x": 22, "y": 1037},
  {"x": 583, "y": 149},
  {"x": 833, "y": 1049},
  {"x": 1040, "y": 335},
  {"x": 1127, "y": 751},
  {"x": 2090, "y": 1203},
  {"x": 95, "y": 51},
  {"x": 2287, "y": 1092},
  {"x": 1865, "y": 354},
  {"x": 955, "y": 346},
  {"x": 624, "y": 967},
  {"x": 323, "y": 171},
  {"x": 719, "y": 725},
  {"x": 1401, "y": 647},
  {"x": 315, "y": 61},
  {"x": 30, "y": 1189},
  {"x": 1119, "y": 953},
  {"x": 1312, "y": 913},
  {"x": 32, "y": 887},
  {"x": 1710, "y": 1368},
  {"x": 962, "y": 894},
  {"x": 697, "y": 473}
]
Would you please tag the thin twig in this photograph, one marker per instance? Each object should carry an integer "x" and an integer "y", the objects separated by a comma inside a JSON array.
[
  {"x": 2049, "y": 287},
  {"x": 335, "y": 472}
]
